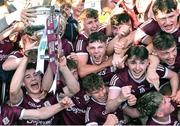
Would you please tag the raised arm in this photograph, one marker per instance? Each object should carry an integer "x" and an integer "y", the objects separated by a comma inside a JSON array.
[
  {"x": 152, "y": 77},
  {"x": 11, "y": 63},
  {"x": 8, "y": 19},
  {"x": 24, "y": 15},
  {"x": 122, "y": 42},
  {"x": 110, "y": 47},
  {"x": 116, "y": 96},
  {"x": 174, "y": 81},
  {"x": 47, "y": 80},
  {"x": 15, "y": 27},
  {"x": 46, "y": 112},
  {"x": 85, "y": 69},
  {"x": 14, "y": 59},
  {"x": 16, "y": 93},
  {"x": 72, "y": 84}
]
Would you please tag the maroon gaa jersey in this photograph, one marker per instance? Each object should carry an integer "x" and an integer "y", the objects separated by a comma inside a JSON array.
[
  {"x": 173, "y": 119},
  {"x": 176, "y": 66},
  {"x": 96, "y": 113},
  {"x": 140, "y": 86},
  {"x": 75, "y": 115},
  {"x": 29, "y": 103},
  {"x": 151, "y": 27},
  {"x": 9, "y": 115},
  {"x": 81, "y": 43},
  {"x": 106, "y": 73},
  {"x": 6, "y": 47},
  {"x": 67, "y": 47}
]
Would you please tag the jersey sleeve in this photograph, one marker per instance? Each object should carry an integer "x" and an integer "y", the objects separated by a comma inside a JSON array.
[
  {"x": 150, "y": 27},
  {"x": 162, "y": 71},
  {"x": 116, "y": 82}
]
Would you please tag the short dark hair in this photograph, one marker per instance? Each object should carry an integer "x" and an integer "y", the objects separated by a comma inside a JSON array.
[
  {"x": 97, "y": 36},
  {"x": 92, "y": 82},
  {"x": 165, "y": 6},
  {"x": 139, "y": 51},
  {"x": 88, "y": 13},
  {"x": 71, "y": 64},
  {"x": 119, "y": 19},
  {"x": 148, "y": 104},
  {"x": 163, "y": 41},
  {"x": 31, "y": 65}
]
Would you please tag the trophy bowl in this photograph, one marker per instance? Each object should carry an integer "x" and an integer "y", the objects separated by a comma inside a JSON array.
[
  {"x": 38, "y": 28},
  {"x": 42, "y": 13}
]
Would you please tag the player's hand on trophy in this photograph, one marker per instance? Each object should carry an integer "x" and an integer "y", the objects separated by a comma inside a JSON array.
[
  {"x": 62, "y": 62},
  {"x": 73, "y": 56},
  {"x": 28, "y": 15},
  {"x": 18, "y": 26},
  {"x": 29, "y": 42},
  {"x": 29, "y": 47}
]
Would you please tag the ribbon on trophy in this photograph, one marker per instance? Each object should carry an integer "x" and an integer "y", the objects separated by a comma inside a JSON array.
[
  {"x": 54, "y": 46},
  {"x": 41, "y": 53}
]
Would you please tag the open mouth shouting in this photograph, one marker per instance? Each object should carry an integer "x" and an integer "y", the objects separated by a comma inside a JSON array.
[{"x": 97, "y": 59}]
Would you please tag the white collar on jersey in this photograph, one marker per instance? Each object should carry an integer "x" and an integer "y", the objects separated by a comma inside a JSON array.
[
  {"x": 159, "y": 122},
  {"x": 140, "y": 80},
  {"x": 101, "y": 103}
]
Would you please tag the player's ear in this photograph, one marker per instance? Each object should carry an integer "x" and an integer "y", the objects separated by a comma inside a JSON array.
[
  {"x": 87, "y": 48},
  {"x": 88, "y": 93},
  {"x": 159, "y": 114}
]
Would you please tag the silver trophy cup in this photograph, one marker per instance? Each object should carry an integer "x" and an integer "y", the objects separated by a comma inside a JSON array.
[{"x": 39, "y": 25}]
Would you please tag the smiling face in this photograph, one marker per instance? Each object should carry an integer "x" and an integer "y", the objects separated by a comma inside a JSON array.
[
  {"x": 137, "y": 67},
  {"x": 91, "y": 25},
  {"x": 77, "y": 6},
  {"x": 32, "y": 81},
  {"x": 121, "y": 24},
  {"x": 168, "y": 22},
  {"x": 100, "y": 95},
  {"x": 97, "y": 51},
  {"x": 168, "y": 56},
  {"x": 67, "y": 11}
]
